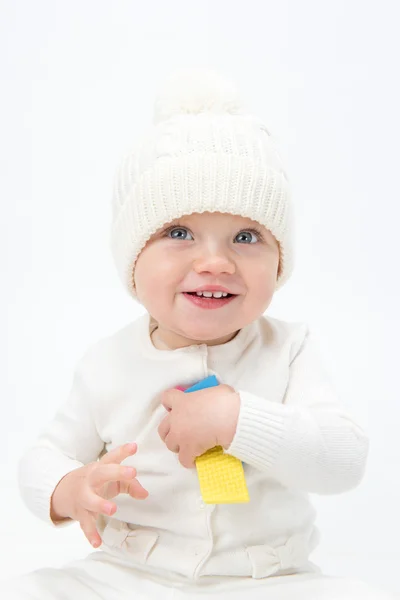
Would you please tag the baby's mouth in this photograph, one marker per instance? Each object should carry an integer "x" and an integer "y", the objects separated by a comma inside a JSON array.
[
  {"x": 209, "y": 300},
  {"x": 211, "y": 294}
]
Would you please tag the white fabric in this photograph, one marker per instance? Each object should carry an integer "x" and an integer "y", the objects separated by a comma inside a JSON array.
[
  {"x": 101, "y": 577},
  {"x": 293, "y": 435}
]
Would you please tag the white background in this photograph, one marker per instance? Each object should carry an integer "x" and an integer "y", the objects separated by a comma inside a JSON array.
[{"x": 78, "y": 82}]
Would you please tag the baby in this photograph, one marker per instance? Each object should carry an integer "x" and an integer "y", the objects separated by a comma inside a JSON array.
[{"x": 202, "y": 237}]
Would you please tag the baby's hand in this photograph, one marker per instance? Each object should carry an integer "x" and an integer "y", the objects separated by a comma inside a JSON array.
[
  {"x": 81, "y": 493},
  {"x": 199, "y": 421}
]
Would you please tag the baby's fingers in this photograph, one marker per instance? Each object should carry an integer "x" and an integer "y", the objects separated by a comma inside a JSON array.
[
  {"x": 136, "y": 490},
  {"x": 88, "y": 526},
  {"x": 97, "y": 505},
  {"x": 106, "y": 473},
  {"x": 118, "y": 454}
]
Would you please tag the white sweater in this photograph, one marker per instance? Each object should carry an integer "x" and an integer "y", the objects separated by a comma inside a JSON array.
[{"x": 293, "y": 436}]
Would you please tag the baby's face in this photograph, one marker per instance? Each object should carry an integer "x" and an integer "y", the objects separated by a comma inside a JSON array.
[{"x": 203, "y": 251}]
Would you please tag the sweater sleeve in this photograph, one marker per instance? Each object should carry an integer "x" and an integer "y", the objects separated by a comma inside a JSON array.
[
  {"x": 69, "y": 441},
  {"x": 308, "y": 441}
]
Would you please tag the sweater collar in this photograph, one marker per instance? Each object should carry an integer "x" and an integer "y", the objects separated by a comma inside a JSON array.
[{"x": 230, "y": 351}]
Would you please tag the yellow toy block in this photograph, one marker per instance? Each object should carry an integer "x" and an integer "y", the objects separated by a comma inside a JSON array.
[{"x": 221, "y": 478}]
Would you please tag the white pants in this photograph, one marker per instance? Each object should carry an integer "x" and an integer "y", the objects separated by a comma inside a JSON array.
[{"x": 102, "y": 577}]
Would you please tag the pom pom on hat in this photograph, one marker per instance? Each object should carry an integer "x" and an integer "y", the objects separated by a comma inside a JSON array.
[{"x": 196, "y": 91}]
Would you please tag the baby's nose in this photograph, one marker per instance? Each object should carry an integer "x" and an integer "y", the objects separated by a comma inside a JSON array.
[{"x": 214, "y": 263}]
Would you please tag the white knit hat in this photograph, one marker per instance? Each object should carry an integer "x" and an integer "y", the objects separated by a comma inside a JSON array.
[{"x": 204, "y": 153}]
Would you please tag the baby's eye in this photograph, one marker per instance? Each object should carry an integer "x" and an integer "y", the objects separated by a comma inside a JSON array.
[
  {"x": 245, "y": 236},
  {"x": 178, "y": 233}
]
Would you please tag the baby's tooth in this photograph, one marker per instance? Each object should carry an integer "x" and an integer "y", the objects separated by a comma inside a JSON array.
[{"x": 212, "y": 294}]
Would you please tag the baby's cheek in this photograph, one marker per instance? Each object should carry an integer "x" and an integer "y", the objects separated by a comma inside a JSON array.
[{"x": 266, "y": 275}]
